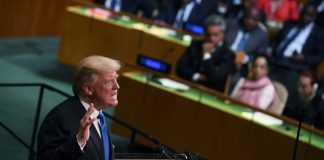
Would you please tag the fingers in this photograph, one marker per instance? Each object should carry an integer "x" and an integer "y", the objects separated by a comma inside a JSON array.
[
  {"x": 89, "y": 111},
  {"x": 86, "y": 121}
]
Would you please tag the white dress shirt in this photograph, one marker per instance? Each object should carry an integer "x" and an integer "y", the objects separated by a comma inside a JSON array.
[
  {"x": 93, "y": 115},
  {"x": 298, "y": 43},
  {"x": 237, "y": 40},
  {"x": 184, "y": 13},
  {"x": 116, "y": 8}
]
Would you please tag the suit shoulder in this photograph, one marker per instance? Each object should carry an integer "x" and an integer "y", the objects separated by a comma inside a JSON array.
[
  {"x": 318, "y": 30},
  {"x": 226, "y": 49},
  {"x": 196, "y": 42},
  {"x": 63, "y": 108}
]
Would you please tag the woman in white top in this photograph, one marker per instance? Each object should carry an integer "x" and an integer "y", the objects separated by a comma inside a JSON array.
[{"x": 256, "y": 90}]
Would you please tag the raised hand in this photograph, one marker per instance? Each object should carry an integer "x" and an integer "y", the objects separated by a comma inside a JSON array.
[
  {"x": 208, "y": 47},
  {"x": 85, "y": 123}
]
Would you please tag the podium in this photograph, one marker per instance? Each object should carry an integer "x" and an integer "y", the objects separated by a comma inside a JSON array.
[
  {"x": 158, "y": 156},
  {"x": 140, "y": 156}
]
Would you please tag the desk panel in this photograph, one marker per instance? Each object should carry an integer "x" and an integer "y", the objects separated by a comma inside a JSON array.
[
  {"x": 198, "y": 122},
  {"x": 113, "y": 41},
  {"x": 21, "y": 18},
  {"x": 118, "y": 37},
  {"x": 74, "y": 39}
]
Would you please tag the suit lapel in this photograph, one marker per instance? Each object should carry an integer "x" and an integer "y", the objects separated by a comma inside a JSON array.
[
  {"x": 96, "y": 140},
  {"x": 94, "y": 136},
  {"x": 250, "y": 42}
]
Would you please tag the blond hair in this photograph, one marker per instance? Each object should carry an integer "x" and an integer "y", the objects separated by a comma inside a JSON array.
[{"x": 92, "y": 65}]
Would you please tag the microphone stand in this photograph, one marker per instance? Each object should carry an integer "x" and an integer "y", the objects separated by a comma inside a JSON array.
[
  {"x": 297, "y": 137},
  {"x": 301, "y": 116}
]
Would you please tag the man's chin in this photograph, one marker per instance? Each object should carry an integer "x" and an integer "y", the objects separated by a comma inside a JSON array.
[
  {"x": 115, "y": 103},
  {"x": 111, "y": 104}
]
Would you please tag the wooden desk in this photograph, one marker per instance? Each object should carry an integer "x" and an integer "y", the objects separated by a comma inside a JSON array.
[
  {"x": 21, "y": 18},
  {"x": 86, "y": 34},
  {"x": 197, "y": 121}
]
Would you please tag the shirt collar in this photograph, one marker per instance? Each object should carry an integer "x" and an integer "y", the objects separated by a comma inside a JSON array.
[{"x": 86, "y": 107}]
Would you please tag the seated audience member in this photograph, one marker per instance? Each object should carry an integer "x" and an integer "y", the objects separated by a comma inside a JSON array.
[
  {"x": 168, "y": 11},
  {"x": 192, "y": 12},
  {"x": 131, "y": 6},
  {"x": 299, "y": 44},
  {"x": 304, "y": 110},
  {"x": 236, "y": 9},
  {"x": 319, "y": 106},
  {"x": 256, "y": 90},
  {"x": 246, "y": 35},
  {"x": 320, "y": 11},
  {"x": 280, "y": 10},
  {"x": 208, "y": 61}
]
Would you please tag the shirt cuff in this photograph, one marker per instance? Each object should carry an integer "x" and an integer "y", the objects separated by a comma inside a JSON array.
[
  {"x": 206, "y": 56},
  {"x": 246, "y": 59},
  {"x": 195, "y": 77},
  {"x": 80, "y": 145}
]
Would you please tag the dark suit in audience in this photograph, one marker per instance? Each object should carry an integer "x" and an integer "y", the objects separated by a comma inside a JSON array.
[
  {"x": 215, "y": 69},
  {"x": 181, "y": 12},
  {"x": 319, "y": 109},
  {"x": 319, "y": 106},
  {"x": 236, "y": 10},
  {"x": 168, "y": 10},
  {"x": 305, "y": 34},
  {"x": 257, "y": 41},
  {"x": 306, "y": 107},
  {"x": 134, "y": 6},
  {"x": 320, "y": 11},
  {"x": 248, "y": 37},
  {"x": 257, "y": 38},
  {"x": 208, "y": 61}
]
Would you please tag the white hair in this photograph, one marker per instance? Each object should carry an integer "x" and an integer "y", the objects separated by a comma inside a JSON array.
[{"x": 90, "y": 66}]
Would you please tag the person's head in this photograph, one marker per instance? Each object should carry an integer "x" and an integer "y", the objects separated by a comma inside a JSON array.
[
  {"x": 184, "y": 2},
  {"x": 96, "y": 81},
  {"x": 306, "y": 80},
  {"x": 250, "y": 18},
  {"x": 259, "y": 67},
  {"x": 307, "y": 14},
  {"x": 214, "y": 29},
  {"x": 248, "y": 3}
]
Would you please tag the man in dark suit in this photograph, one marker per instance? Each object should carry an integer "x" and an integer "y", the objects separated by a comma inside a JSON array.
[
  {"x": 131, "y": 6},
  {"x": 71, "y": 130},
  {"x": 208, "y": 61},
  {"x": 319, "y": 106},
  {"x": 247, "y": 37},
  {"x": 306, "y": 107},
  {"x": 299, "y": 44},
  {"x": 319, "y": 4},
  {"x": 168, "y": 11},
  {"x": 247, "y": 34},
  {"x": 180, "y": 13}
]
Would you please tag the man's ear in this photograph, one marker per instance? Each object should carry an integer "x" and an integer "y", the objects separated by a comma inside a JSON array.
[{"x": 87, "y": 90}]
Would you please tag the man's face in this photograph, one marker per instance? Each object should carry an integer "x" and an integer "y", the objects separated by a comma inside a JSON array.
[
  {"x": 248, "y": 3},
  {"x": 251, "y": 19},
  {"x": 105, "y": 89},
  {"x": 308, "y": 14},
  {"x": 305, "y": 89},
  {"x": 214, "y": 34}
]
